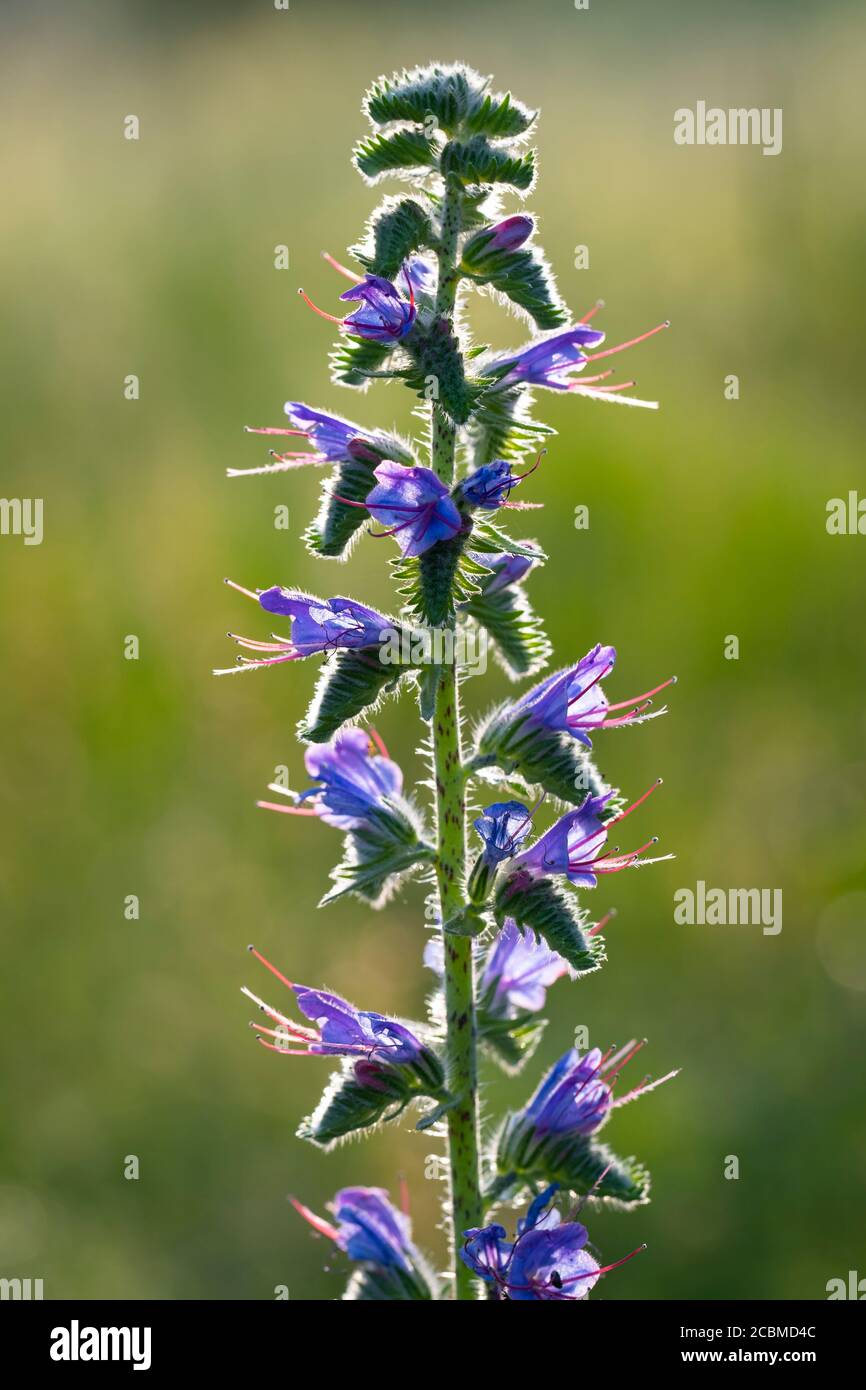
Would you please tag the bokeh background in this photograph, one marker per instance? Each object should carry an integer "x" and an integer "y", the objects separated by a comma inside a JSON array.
[{"x": 706, "y": 519}]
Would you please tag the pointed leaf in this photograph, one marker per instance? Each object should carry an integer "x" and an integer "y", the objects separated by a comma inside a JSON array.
[
  {"x": 553, "y": 913},
  {"x": 396, "y": 230},
  {"x": 401, "y": 152}
]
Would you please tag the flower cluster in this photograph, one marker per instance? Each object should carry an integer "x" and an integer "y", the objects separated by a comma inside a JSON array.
[{"x": 509, "y": 923}]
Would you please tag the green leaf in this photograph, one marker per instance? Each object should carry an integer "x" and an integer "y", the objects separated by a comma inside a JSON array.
[
  {"x": 402, "y": 151},
  {"x": 521, "y": 645},
  {"x": 477, "y": 161},
  {"x": 395, "y": 231},
  {"x": 378, "y": 854},
  {"x": 502, "y": 428},
  {"x": 354, "y": 361},
  {"x": 510, "y": 1042},
  {"x": 574, "y": 1161},
  {"x": 552, "y": 913},
  {"x": 444, "y": 91},
  {"x": 434, "y": 583},
  {"x": 499, "y": 115},
  {"x": 524, "y": 277},
  {"x": 350, "y": 682},
  {"x": 544, "y": 758},
  {"x": 349, "y": 1103}
]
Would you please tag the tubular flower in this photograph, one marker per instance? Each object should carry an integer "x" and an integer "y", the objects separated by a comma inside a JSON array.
[
  {"x": 503, "y": 827},
  {"x": 382, "y": 316},
  {"x": 340, "y": 1029},
  {"x": 506, "y": 569},
  {"x": 317, "y": 625},
  {"x": 573, "y": 846},
  {"x": 573, "y": 701},
  {"x": 518, "y": 970},
  {"x": 415, "y": 507},
  {"x": 329, "y": 434},
  {"x": 375, "y": 1234},
  {"x": 547, "y": 1261},
  {"x": 355, "y": 781},
  {"x": 553, "y": 362},
  {"x": 489, "y": 487},
  {"x": 576, "y": 1096}
]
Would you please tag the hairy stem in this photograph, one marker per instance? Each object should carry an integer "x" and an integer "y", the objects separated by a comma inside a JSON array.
[{"x": 451, "y": 850}]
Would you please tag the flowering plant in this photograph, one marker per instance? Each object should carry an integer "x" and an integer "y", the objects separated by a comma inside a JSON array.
[{"x": 507, "y": 922}]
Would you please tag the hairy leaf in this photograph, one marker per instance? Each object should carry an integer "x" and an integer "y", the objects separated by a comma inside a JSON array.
[
  {"x": 402, "y": 151},
  {"x": 350, "y": 683},
  {"x": 396, "y": 230},
  {"x": 520, "y": 642},
  {"x": 574, "y": 1161},
  {"x": 553, "y": 913},
  {"x": 477, "y": 161}
]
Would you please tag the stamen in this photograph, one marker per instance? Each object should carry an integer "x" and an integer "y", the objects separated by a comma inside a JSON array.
[
  {"x": 241, "y": 590},
  {"x": 596, "y": 1273},
  {"x": 343, "y": 270},
  {"x": 635, "y": 699},
  {"x": 316, "y": 310},
  {"x": 599, "y": 304},
  {"x": 632, "y": 342},
  {"x": 273, "y": 969},
  {"x": 634, "y": 805},
  {"x": 379, "y": 742},
  {"x": 286, "y": 810},
  {"x": 318, "y": 1223},
  {"x": 271, "y": 429},
  {"x": 602, "y": 923}
]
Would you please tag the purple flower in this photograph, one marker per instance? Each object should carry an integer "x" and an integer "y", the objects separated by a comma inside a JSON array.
[
  {"x": 548, "y": 1260},
  {"x": 573, "y": 701},
  {"x": 354, "y": 779},
  {"x": 572, "y": 1098},
  {"x": 573, "y": 846},
  {"x": 576, "y": 1096},
  {"x": 414, "y": 505},
  {"x": 330, "y": 435},
  {"x": 340, "y": 1029},
  {"x": 382, "y": 316},
  {"x": 317, "y": 625},
  {"x": 518, "y": 971},
  {"x": 507, "y": 235},
  {"x": 370, "y": 1229},
  {"x": 421, "y": 273},
  {"x": 553, "y": 362},
  {"x": 510, "y": 233},
  {"x": 506, "y": 569},
  {"x": 503, "y": 827},
  {"x": 489, "y": 486}
]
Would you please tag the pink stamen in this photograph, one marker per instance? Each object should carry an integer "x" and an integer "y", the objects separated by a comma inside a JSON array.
[
  {"x": 379, "y": 742},
  {"x": 596, "y": 1274},
  {"x": 271, "y": 429},
  {"x": 241, "y": 590},
  {"x": 599, "y": 304},
  {"x": 343, "y": 270},
  {"x": 600, "y": 925},
  {"x": 632, "y": 342},
  {"x": 318, "y": 1223},
  {"x": 404, "y": 1195},
  {"x": 585, "y": 380},
  {"x": 316, "y": 310},
  {"x": 273, "y": 969},
  {"x": 634, "y": 805},
  {"x": 286, "y": 810},
  {"x": 635, "y": 699}
]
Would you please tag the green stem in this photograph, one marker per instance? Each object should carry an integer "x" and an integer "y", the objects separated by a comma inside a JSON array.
[{"x": 461, "y": 1039}]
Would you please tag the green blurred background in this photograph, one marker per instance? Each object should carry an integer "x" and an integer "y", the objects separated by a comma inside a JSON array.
[{"x": 707, "y": 519}]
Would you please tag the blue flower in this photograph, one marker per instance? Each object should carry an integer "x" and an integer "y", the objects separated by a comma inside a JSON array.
[
  {"x": 369, "y": 1228},
  {"x": 547, "y": 1261},
  {"x": 573, "y": 846},
  {"x": 340, "y": 1029},
  {"x": 506, "y": 569},
  {"x": 489, "y": 486},
  {"x": 503, "y": 827},
  {"x": 573, "y": 701},
  {"x": 572, "y": 1098},
  {"x": 517, "y": 972},
  {"x": 414, "y": 505},
  {"x": 354, "y": 780},
  {"x": 317, "y": 625},
  {"x": 553, "y": 362},
  {"x": 383, "y": 316}
]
